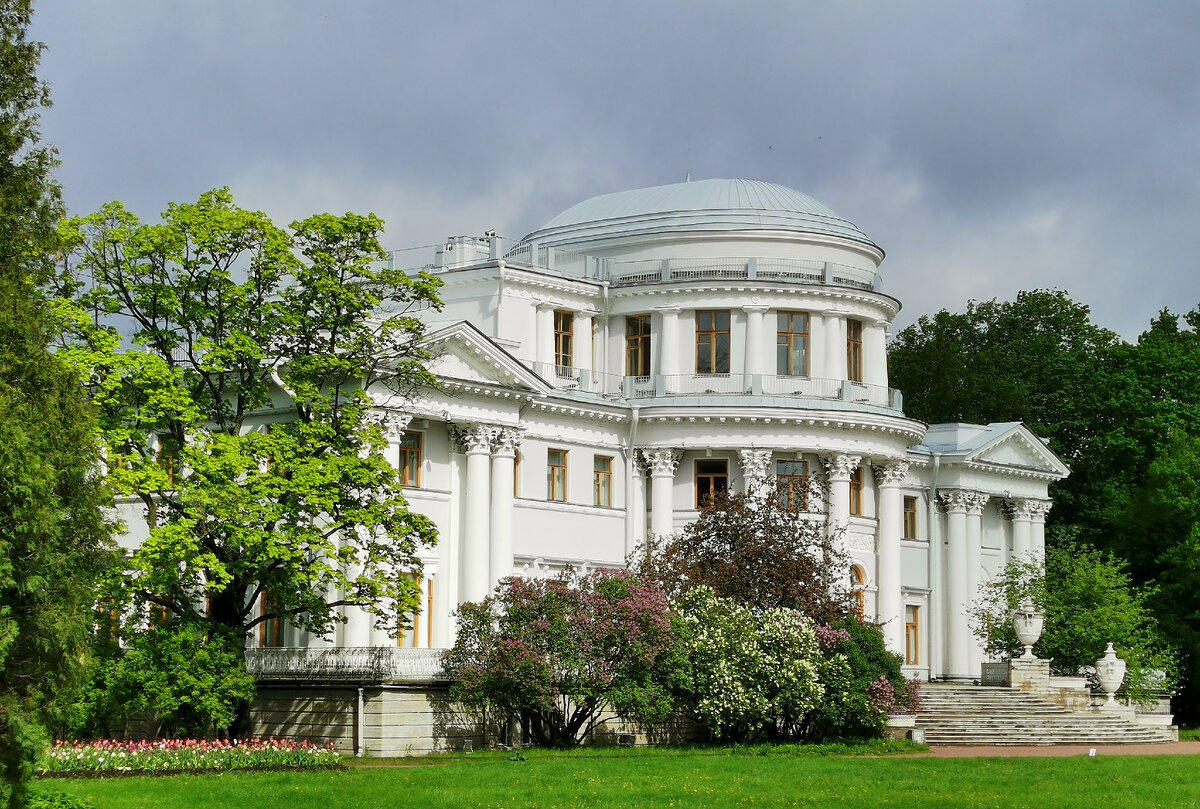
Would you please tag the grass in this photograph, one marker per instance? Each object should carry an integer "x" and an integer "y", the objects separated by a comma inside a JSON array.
[
  {"x": 680, "y": 778},
  {"x": 1189, "y": 734}
]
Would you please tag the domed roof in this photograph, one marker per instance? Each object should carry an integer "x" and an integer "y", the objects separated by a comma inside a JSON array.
[{"x": 702, "y": 205}]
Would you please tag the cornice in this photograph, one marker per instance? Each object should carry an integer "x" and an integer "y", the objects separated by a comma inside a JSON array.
[
  {"x": 883, "y": 425},
  {"x": 660, "y": 288}
]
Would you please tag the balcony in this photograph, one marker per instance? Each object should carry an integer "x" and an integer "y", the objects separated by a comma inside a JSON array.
[
  {"x": 633, "y": 388},
  {"x": 348, "y": 664}
]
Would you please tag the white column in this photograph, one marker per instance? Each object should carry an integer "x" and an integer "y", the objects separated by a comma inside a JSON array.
[
  {"x": 757, "y": 349},
  {"x": 583, "y": 341},
  {"x": 476, "y": 441},
  {"x": 875, "y": 353},
  {"x": 1037, "y": 525},
  {"x": 889, "y": 600},
  {"x": 544, "y": 334},
  {"x": 662, "y": 464},
  {"x": 957, "y": 635},
  {"x": 756, "y": 471},
  {"x": 839, "y": 468},
  {"x": 500, "y": 555},
  {"x": 357, "y": 629},
  {"x": 976, "y": 502},
  {"x": 1021, "y": 513},
  {"x": 635, "y": 512},
  {"x": 668, "y": 342},
  {"x": 835, "y": 346}
]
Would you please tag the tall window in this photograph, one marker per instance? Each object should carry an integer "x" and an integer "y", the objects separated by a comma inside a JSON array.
[
  {"x": 791, "y": 348},
  {"x": 856, "y": 492},
  {"x": 270, "y": 632},
  {"x": 712, "y": 478},
  {"x": 858, "y": 592},
  {"x": 912, "y": 635},
  {"x": 564, "y": 329},
  {"x": 602, "y": 480},
  {"x": 854, "y": 357},
  {"x": 410, "y": 459},
  {"x": 712, "y": 341},
  {"x": 910, "y": 518},
  {"x": 637, "y": 345},
  {"x": 791, "y": 478},
  {"x": 556, "y": 475},
  {"x": 422, "y": 630}
]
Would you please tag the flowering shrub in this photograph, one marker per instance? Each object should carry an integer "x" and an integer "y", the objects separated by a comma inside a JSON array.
[
  {"x": 748, "y": 672},
  {"x": 555, "y": 653},
  {"x": 172, "y": 755}
]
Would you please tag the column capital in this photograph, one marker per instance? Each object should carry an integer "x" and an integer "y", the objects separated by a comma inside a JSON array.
[
  {"x": 756, "y": 467},
  {"x": 505, "y": 440},
  {"x": 668, "y": 308},
  {"x": 545, "y": 306},
  {"x": 891, "y": 472},
  {"x": 977, "y": 502},
  {"x": 394, "y": 423},
  {"x": 955, "y": 500},
  {"x": 473, "y": 439},
  {"x": 1025, "y": 508},
  {"x": 841, "y": 467},
  {"x": 661, "y": 462},
  {"x": 755, "y": 307}
]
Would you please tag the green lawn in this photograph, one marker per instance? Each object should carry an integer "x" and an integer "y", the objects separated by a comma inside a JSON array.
[{"x": 689, "y": 779}]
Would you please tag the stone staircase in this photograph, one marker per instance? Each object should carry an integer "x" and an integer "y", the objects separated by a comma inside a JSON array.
[{"x": 987, "y": 715}]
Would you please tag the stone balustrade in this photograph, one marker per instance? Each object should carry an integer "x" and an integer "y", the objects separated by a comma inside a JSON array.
[{"x": 347, "y": 664}]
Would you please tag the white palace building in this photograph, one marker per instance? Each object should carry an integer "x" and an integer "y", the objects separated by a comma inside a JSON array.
[{"x": 605, "y": 373}]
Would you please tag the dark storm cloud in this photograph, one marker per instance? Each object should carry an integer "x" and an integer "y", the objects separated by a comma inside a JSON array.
[{"x": 988, "y": 146}]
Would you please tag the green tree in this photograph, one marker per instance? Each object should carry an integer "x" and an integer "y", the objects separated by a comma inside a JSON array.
[
  {"x": 52, "y": 535},
  {"x": 242, "y": 375}
]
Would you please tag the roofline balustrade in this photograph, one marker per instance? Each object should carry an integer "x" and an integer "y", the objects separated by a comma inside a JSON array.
[{"x": 346, "y": 664}]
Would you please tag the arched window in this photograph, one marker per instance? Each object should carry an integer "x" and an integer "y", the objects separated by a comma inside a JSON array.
[{"x": 858, "y": 592}]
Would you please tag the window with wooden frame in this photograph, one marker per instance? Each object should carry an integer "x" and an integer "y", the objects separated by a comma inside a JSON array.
[
  {"x": 516, "y": 473},
  {"x": 912, "y": 635},
  {"x": 854, "y": 350},
  {"x": 910, "y": 518},
  {"x": 410, "y": 459},
  {"x": 556, "y": 475},
  {"x": 712, "y": 341},
  {"x": 858, "y": 592},
  {"x": 637, "y": 345},
  {"x": 791, "y": 346},
  {"x": 791, "y": 481},
  {"x": 712, "y": 478},
  {"x": 270, "y": 631},
  {"x": 166, "y": 455},
  {"x": 421, "y": 633},
  {"x": 856, "y": 492},
  {"x": 602, "y": 480},
  {"x": 564, "y": 331}
]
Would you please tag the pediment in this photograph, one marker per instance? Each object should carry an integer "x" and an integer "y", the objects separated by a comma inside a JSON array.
[
  {"x": 463, "y": 353},
  {"x": 1018, "y": 448}
]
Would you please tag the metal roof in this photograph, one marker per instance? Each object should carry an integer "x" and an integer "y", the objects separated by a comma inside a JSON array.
[{"x": 702, "y": 205}]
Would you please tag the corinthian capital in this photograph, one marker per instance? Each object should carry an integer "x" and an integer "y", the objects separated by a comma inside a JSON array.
[
  {"x": 473, "y": 438},
  {"x": 891, "y": 472},
  {"x": 661, "y": 461},
  {"x": 955, "y": 500},
  {"x": 841, "y": 467},
  {"x": 506, "y": 440}
]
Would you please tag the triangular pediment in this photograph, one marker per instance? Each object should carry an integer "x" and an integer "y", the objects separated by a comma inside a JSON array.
[
  {"x": 1018, "y": 448},
  {"x": 462, "y": 353}
]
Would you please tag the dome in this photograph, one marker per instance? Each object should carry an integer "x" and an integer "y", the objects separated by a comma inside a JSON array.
[{"x": 699, "y": 206}]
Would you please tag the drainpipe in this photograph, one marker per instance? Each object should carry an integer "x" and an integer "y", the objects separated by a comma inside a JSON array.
[
  {"x": 935, "y": 576},
  {"x": 360, "y": 726}
]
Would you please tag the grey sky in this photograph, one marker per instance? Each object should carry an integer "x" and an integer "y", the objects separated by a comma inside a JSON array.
[{"x": 987, "y": 146}]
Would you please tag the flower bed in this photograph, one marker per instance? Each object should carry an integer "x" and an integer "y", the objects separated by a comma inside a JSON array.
[{"x": 117, "y": 757}]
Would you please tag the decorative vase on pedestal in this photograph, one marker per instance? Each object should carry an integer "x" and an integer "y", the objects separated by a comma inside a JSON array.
[
  {"x": 1110, "y": 671},
  {"x": 1028, "y": 623}
]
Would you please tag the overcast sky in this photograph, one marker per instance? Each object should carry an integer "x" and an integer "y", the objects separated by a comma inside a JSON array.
[{"x": 988, "y": 147}]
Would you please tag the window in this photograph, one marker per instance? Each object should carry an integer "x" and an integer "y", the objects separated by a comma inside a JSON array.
[
  {"x": 166, "y": 455},
  {"x": 712, "y": 341},
  {"x": 912, "y": 635},
  {"x": 791, "y": 348},
  {"x": 270, "y": 632},
  {"x": 410, "y": 459},
  {"x": 858, "y": 592},
  {"x": 556, "y": 475},
  {"x": 856, "y": 492},
  {"x": 637, "y": 345},
  {"x": 564, "y": 329},
  {"x": 602, "y": 480},
  {"x": 712, "y": 478},
  {"x": 420, "y": 628},
  {"x": 854, "y": 357},
  {"x": 910, "y": 518},
  {"x": 791, "y": 479}
]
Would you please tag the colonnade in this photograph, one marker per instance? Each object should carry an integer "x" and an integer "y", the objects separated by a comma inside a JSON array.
[{"x": 486, "y": 552}]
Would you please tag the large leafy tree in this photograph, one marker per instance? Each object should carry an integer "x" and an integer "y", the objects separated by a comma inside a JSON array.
[
  {"x": 237, "y": 369},
  {"x": 52, "y": 534}
]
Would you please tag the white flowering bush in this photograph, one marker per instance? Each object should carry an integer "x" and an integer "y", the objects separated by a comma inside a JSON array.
[{"x": 748, "y": 672}]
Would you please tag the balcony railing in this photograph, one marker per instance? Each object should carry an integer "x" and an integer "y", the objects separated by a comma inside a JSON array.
[
  {"x": 346, "y": 664},
  {"x": 467, "y": 251},
  {"x": 615, "y": 387}
]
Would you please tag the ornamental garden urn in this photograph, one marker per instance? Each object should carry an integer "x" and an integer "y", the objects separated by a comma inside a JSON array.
[
  {"x": 1110, "y": 671},
  {"x": 1028, "y": 622}
]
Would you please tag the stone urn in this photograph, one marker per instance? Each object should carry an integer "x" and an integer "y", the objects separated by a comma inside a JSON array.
[
  {"x": 1028, "y": 623},
  {"x": 1110, "y": 671}
]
